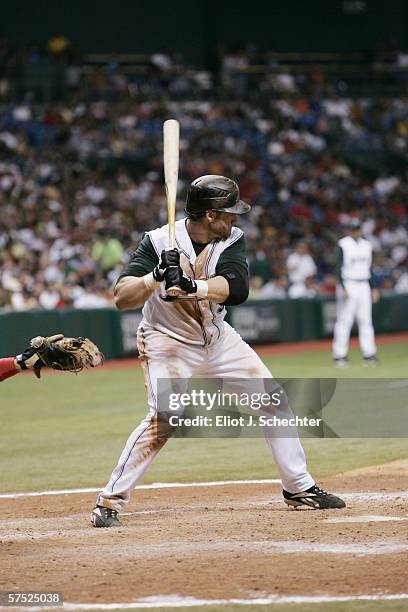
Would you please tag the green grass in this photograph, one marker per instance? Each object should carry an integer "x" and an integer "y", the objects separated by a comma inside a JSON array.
[
  {"x": 393, "y": 358},
  {"x": 68, "y": 431}
]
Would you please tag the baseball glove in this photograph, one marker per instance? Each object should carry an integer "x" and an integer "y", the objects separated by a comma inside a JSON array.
[{"x": 67, "y": 354}]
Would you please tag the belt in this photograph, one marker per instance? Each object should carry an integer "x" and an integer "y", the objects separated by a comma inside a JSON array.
[{"x": 357, "y": 280}]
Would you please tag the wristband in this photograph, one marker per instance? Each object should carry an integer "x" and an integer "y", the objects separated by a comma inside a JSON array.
[
  {"x": 18, "y": 364},
  {"x": 202, "y": 288},
  {"x": 150, "y": 282}
]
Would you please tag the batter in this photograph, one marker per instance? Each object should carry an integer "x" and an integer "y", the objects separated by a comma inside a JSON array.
[
  {"x": 185, "y": 338},
  {"x": 354, "y": 296}
]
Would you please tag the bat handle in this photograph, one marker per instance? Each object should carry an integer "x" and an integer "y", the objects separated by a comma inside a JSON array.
[{"x": 174, "y": 291}]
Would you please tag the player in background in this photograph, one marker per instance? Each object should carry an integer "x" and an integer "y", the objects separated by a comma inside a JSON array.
[
  {"x": 182, "y": 338},
  {"x": 354, "y": 297}
]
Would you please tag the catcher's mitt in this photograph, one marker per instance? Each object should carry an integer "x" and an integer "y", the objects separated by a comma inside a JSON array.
[{"x": 67, "y": 354}]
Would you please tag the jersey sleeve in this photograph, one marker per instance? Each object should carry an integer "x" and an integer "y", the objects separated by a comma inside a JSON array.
[
  {"x": 7, "y": 368},
  {"x": 371, "y": 278},
  {"x": 143, "y": 259},
  {"x": 339, "y": 264},
  {"x": 233, "y": 266}
]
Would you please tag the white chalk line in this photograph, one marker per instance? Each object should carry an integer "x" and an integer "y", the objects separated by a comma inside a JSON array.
[
  {"x": 154, "y": 485},
  {"x": 363, "y": 496},
  {"x": 365, "y": 518},
  {"x": 176, "y": 601}
]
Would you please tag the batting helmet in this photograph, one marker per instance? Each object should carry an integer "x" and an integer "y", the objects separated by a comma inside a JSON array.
[{"x": 214, "y": 192}]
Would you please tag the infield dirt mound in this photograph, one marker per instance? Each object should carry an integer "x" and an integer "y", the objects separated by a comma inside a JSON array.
[{"x": 224, "y": 542}]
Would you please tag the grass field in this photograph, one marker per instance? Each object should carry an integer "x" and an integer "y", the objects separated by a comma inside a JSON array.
[{"x": 67, "y": 431}]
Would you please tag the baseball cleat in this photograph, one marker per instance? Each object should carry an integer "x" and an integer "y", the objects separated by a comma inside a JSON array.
[
  {"x": 370, "y": 362},
  {"x": 105, "y": 517},
  {"x": 313, "y": 497},
  {"x": 341, "y": 362}
]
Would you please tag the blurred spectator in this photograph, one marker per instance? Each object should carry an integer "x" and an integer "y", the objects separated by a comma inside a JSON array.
[
  {"x": 276, "y": 289},
  {"x": 81, "y": 180},
  {"x": 49, "y": 297},
  {"x": 301, "y": 268},
  {"x": 255, "y": 285},
  {"x": 107, "y": 252},
  {"x": 260, "y": 266},
  {"x": 91, "y": 298}
]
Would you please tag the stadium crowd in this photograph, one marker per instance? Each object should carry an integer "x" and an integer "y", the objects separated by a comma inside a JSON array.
[{"x": 81, "y": 181}]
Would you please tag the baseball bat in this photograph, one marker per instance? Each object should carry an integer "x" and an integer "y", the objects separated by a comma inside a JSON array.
[{"x": 171, "y": 136}]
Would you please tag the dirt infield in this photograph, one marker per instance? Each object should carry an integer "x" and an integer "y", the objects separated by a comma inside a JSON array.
[{"x": 222, "y": 542}]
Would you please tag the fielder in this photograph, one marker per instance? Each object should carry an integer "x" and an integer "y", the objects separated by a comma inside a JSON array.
[
  {"x": 354, "y": 297},
  {"x": 185, "y": 338}
]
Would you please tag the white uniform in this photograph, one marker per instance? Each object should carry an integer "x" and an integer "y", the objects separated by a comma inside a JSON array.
[
  {"x": 182, "y": 339},
  {"x": 355, "y": 273}
]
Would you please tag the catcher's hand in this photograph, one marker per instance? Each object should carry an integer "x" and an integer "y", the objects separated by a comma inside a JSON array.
[{"x": 66, "y": 354}]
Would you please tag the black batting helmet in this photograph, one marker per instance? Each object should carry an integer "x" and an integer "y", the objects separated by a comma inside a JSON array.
[{"x": 214, "y": 192}]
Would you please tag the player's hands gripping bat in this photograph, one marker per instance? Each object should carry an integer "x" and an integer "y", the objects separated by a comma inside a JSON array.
[
  {"x": 167, "y": 259},
  {"x": 174, "y": 276},
  {"x": 60, "y": 353}
]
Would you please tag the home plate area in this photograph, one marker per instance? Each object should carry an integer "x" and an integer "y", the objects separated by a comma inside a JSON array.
[{"x": 232, "y": 543}]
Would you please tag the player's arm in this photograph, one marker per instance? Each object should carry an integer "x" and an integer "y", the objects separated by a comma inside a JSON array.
[
  {"x": 143, "y": 275},
  {"x": 8, "y": 367},
  {"x": 218, "y": 289},
  {"x": 375, "y": 293},
  {"x": 339, "y": 265},
  {"x": 131, "y": 290},
  {"x": 232, "y": 266}
]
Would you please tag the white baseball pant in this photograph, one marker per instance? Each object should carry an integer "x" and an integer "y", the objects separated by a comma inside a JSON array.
[
  {"x": 357, "y": 306},
  {"x": 164, "y": 357}
]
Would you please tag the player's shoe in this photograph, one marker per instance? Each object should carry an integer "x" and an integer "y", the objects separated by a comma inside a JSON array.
[
  {"x": 313, "y": 497},
  {"x": 105, "y": 517},
  {"x": 341, "y": 362},
  {"x": 370, "y": 362}
]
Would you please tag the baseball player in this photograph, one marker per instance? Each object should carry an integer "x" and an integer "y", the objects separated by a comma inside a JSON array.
[
  {"x": 183, "y": 338},
  {"x": 354, "y": 297}
]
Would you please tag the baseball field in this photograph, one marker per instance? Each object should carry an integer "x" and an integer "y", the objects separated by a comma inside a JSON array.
[{"x": 208, "y": 528}]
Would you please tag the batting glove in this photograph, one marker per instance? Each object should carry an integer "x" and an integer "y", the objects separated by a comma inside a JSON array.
[
  {"x": 168, "y": 258},
  {"x": 175, "y": 277},
  {"x": 29, "y": 360}
]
